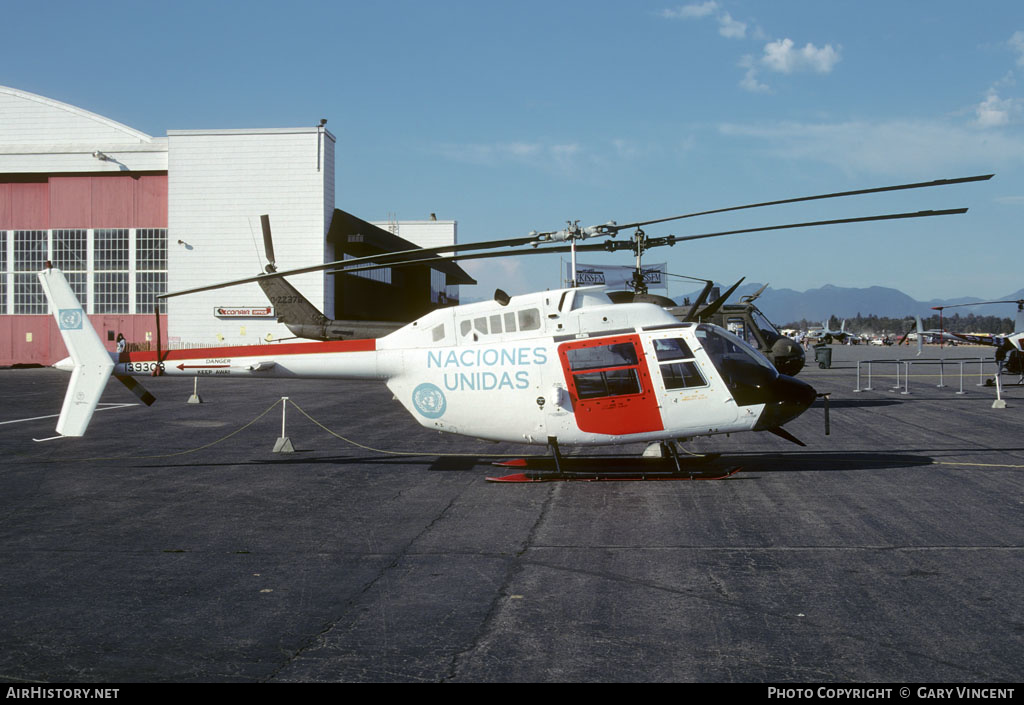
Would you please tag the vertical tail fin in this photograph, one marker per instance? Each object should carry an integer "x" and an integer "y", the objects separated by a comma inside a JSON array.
[{"x": 92, "y": 362}]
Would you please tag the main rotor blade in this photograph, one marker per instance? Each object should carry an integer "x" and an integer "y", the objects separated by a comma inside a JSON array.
[
  {"x": 615, "y": 245},
  {"x": 1019, "y": 302},
  {"x": 840, "y": 194},
  {"x": 386, "y": 259}
]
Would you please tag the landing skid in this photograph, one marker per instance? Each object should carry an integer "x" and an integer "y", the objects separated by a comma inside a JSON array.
[{"x": 604, "y": 468}]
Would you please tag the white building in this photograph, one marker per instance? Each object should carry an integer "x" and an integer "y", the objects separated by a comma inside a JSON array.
[{"x": 129, "y": 216}]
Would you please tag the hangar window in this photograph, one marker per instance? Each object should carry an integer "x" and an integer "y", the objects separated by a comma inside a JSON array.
[
  {"x": 70, "y": 250},
  {"x": 149, "y": 285},
  {"x": 111, "y": 263},
  {"x": 151, "y": 269},
  {"x": 28, "y": 294},
  {"x": 111, "y": 292},
  {"x": 70, "y": 255},
  {"x": 30, "y": 249},
  {"x": 3, "y": 271},
  {"x": 151, "y": 249},
  {"x": 110, "y": 250}
]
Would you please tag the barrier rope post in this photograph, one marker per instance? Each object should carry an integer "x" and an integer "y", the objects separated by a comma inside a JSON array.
[
  {"x": 284, "y": 443},
  {"x": 999, "y": 403},
  {"x": 981, "y": 371},
  {"x": 906, "y": 378},
  {"x": 858, "y": 377},
  {"x": 195, "y": 398},
  {"x": 942, "y": 382}
]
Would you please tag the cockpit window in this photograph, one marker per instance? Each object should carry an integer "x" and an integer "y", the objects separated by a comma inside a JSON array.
[
  {"x": 721, "y": 345},
  {"x": 678, "y": 369},
  {"x": 672, "y": 349},
  {"x": 767, "y": 328}
]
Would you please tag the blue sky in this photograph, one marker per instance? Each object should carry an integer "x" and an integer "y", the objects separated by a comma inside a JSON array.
[{"x": 510, "y": 117}]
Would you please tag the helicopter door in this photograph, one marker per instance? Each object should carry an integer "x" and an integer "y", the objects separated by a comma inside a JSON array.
[{"x": 610, "y": 386}]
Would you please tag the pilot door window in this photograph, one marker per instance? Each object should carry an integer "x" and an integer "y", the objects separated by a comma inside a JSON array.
[
  {"x": 604, "y": 370},
  {"x": 678, "y": 368}
]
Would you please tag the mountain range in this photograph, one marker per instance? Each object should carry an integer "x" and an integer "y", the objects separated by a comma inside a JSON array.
[{"x": 787, "y": 305}]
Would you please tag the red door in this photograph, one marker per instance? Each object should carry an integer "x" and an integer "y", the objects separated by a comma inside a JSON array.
[{"x": 610, "y": 385}]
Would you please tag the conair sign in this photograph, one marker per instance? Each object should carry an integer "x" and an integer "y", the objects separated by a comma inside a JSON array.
[{"x": 243, "y": 311}]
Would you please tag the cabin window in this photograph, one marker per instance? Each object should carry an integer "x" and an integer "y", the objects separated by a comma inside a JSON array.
[
  {"x": 604, "y": 370},
  {"x": 496, "y": 324},
  {"x": 672, "y": 349},
  {"x": 437, "y": 333},
  {"x": 510, "y": 322},
  {"x": 678, "y": 369},
  {"x": 480, "y": 325},
  {"x": 615, "y": 355},
  {"x": 529, "y": 319},
  {"x": 465, "y": 327}
]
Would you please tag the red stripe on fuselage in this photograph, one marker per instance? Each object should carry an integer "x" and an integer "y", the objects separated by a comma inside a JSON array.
[{"x": 330, "y": 346}]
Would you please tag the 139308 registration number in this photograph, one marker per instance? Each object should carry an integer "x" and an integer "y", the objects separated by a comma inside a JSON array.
[{"x": 142, "y": 366}]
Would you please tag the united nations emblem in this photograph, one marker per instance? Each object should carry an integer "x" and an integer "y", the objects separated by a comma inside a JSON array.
[
  {"x": 70, "y": 319},
  {"x": 429, "y": 400}
]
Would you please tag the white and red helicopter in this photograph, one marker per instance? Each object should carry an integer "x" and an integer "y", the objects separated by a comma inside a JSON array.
[{"x": 557, "y": 368}]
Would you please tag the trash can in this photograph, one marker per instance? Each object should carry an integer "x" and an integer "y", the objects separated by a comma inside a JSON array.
[{"x": 823, "y": 356}]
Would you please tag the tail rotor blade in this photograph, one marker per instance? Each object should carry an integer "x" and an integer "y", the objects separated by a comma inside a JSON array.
[
  {"x": 717, "y": 303},
  {"x": 137, "y": 389}
]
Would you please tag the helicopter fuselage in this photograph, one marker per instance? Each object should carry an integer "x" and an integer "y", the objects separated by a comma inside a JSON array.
[{"x": 565, "y": 364}]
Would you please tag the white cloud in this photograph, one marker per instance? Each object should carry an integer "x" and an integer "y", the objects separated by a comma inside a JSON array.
[
  {"x": 993, "y": 111},
  {"x": 900, "y": 147},
  {"x": 1017, "y": 44},
  {"x": 690, "y": 12},
  {"x": 750, "y": 82},
  {"x": 1010, "y": 200},
  {"x": 727, "y": 26},
  {"x": 781, "y": 56},
  {"x": 531, "y": 153},
  {"x": 730, "y": 28}
]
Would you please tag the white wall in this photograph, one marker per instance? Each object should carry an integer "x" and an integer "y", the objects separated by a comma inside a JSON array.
[
  {"x": 425, "y": 233},
  {"x": 39, "y": 135},
  {"x": 219, "y": 183}
]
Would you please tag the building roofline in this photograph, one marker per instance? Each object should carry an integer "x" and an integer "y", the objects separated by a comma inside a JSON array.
[
  {"x": 25, "y": 95},
  {"x": 251, "y": 131}
]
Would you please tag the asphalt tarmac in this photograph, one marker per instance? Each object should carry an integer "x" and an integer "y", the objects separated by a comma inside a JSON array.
[{"x": 171, "y": 544}]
